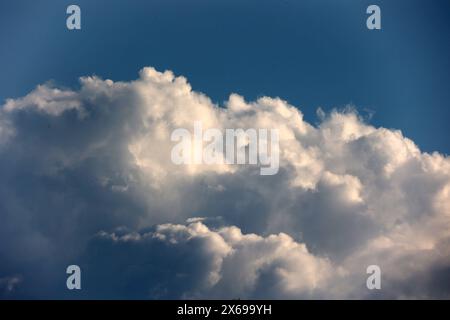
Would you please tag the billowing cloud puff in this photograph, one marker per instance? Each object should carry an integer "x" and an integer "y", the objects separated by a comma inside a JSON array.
[
  {"x": 193, "y": 261},
  {"x": 78, "y": 165}
]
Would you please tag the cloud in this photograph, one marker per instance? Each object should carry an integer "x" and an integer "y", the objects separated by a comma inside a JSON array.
[
  {"x": 8, "y": 284},
  {"x": 193, "y": 261},
  {"x": 76, "y": 162}
]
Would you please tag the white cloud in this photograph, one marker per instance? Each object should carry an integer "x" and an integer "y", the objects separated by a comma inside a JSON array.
[{"x": 74, "y": 162}]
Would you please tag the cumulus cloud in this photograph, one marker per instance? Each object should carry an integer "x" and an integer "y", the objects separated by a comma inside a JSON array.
[
  {"x": 86, "y": 178},
  {"x": 191, "y": 261}
]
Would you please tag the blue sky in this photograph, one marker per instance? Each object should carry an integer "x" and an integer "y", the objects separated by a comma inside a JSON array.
[{"x": 311, "y": 53}]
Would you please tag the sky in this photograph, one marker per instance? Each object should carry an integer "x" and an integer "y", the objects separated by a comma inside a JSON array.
[
  {"x": 310, "y": 53},
  {"x": 87, "y": 179}
]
